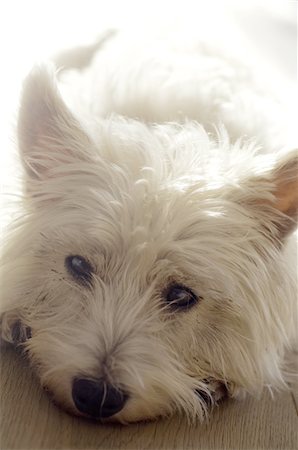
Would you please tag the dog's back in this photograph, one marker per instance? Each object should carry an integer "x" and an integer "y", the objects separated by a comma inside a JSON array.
[{"x": 160, "y": 78}]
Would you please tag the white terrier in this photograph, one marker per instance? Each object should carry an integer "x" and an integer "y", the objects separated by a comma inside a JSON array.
[{"x": 151, "y": 269}]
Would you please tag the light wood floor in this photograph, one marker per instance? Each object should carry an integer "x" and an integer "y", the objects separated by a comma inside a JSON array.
[{"x": 30, "y": 421}]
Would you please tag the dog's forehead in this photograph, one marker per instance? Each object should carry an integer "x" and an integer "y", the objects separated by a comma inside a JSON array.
[
  {"x": 128, "y": 231},
  {"x": 140, "y": 216}
]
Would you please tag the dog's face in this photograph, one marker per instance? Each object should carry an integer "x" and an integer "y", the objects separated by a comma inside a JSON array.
[{"x": 146, "y": 272}]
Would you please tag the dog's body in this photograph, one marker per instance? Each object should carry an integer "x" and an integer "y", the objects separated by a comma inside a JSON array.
[{"x": 152, "y": 267}]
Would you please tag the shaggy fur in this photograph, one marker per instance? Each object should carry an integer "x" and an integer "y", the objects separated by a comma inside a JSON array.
[{"x": 202, "y": 201}]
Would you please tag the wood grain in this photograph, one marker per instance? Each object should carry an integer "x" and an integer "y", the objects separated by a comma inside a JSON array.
[{"x": 30, "y": 421}]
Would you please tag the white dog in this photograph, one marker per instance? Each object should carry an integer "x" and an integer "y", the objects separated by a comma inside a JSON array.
[{"x": 151, "y": 268}]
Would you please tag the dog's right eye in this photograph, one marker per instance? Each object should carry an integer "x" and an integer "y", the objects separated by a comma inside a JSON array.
[
  {"x": 180, "y": 297},
  {"x": 79, "y": 268}
]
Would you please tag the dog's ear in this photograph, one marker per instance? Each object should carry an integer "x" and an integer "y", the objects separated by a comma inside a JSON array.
[
  {"x": 48, "y": 133},
  {"x": 277, "y": 202},
  {"x": 285, "y": 176}
]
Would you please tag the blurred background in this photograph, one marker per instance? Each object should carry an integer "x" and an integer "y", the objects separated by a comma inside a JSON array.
[{"x": 33, "y": 30}]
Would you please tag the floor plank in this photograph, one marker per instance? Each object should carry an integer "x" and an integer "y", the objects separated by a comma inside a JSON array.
[{"x": 30, "y": 421}]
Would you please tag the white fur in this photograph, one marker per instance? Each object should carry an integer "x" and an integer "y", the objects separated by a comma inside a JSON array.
[{"x": 148, "y": 202}]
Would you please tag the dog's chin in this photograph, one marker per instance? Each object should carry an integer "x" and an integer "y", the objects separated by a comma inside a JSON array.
[
  {"x": 135, "y": 412},
  {"x": 125, "y": 417},
  {"x": 131, "y": 414},
  {"x": 218, "y": 390}
]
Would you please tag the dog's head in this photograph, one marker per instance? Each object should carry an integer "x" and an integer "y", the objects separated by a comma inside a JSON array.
[{"x": 147, "y": 268}]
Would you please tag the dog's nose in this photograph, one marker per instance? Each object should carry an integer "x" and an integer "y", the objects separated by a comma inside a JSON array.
[{"x": 96, "y": 398}]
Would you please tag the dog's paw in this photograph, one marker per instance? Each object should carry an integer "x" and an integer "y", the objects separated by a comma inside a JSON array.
[
  {"x": 216, "y": 391},
  {"x": 236, "y": 392}
]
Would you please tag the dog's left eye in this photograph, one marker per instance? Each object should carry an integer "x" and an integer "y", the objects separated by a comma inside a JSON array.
[
  {"x": 79, "y": 268},
  {"x": 180, "y": 297}
]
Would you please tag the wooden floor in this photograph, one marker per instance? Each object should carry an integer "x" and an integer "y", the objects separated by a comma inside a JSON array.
[{"x": 30, "y": 421}]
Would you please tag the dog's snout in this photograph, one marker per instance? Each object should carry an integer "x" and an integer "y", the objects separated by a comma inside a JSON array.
[{"x": 97, "y": 398}]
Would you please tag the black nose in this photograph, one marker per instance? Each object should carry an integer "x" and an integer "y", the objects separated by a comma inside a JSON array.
[{"x": 97, "y": 398}]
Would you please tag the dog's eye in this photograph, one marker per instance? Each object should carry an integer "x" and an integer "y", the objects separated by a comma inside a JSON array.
[
  {"x": 180, "y": 297},
  {"x": 79, "y": 268}
]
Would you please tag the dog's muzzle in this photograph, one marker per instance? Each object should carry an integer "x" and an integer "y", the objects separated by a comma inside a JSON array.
[{"x": 97, "y": 398}]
